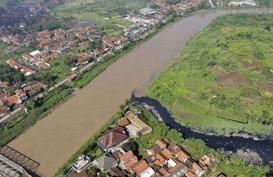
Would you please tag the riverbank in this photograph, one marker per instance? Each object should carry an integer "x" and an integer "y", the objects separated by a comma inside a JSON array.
[
  {"x": 215, "y": 85},
  {"x": 196, "y": 148},
  {"x": 232, "y": 144},
  {"x": 53, "y": 139}
]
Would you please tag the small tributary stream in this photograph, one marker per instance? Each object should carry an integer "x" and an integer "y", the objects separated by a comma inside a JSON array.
[{"x": 264, "y": 148}]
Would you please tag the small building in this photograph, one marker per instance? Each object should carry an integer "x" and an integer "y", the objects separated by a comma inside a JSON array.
[
  {"x": 105, "y": 162},
  {"x": 13, "y": 100},
  {"x": 3, "y": 110},
  {"x": 126, "y": 159},
  {"x": 9, "y": 168},
  {"x": 148, "y": 11},
  {"x": 209, "y": 161},
  {"x": 222, "y": 175},
  {"x": 115, "y": 171},
  {"x": 136, "y": 125},
  {"x": 139, "y": 167},
  {"x": 82, "y": 162},
  {"x": 112, "y": 138}
]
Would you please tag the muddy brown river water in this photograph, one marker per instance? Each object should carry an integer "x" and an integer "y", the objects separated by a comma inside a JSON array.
[{"x": 56, "y": 137}]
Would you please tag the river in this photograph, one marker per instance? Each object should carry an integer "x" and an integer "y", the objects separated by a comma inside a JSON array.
[
  {"x": 262, "y": 147},
  {"x": 53, "y": 140}
]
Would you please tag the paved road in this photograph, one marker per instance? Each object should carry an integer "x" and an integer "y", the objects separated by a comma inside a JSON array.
[{"x": 5, "y": 119}]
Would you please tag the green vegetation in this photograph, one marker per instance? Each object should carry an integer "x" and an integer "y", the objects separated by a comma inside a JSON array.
[
  {"x": 222, "y": 81},
  {"x": 40, "y": 108},
  {"x": 11, "y": 75},
  {"x": 172, "y": 2},
  {"x": 48, "y": 23},
  {"x": 231, "y": 166},
  {"x": 265, "y": 3},
  {"x": 107, "y": 15}
]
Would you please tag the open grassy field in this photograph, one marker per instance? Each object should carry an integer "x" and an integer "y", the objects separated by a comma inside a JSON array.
[
  {"x": 105, "y": 14},
  {"x": 223, "y": 80}
]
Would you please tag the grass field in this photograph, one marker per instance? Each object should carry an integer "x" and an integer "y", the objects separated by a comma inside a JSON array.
[
  {"x": 105, "y": 14},
  {"x": 223, "y": 80}
]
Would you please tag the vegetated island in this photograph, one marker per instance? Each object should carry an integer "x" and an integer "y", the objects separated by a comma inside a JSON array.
[{"x": 222, "y": 82}]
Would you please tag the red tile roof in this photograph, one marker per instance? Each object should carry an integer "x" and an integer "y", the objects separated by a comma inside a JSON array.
[
  {"x": 131, "y": 162},
  {"x": 163, "y": 171},
  {"x": 112, "y": 137},
  {"x": 167, "y": 153},
  {"x": 140, "y": 166},
  {"x": 162, "y": 144},
  {"x": 12, "y": 100},
  {"x": 183, "y": 154},
  {"x": 130, "y": 115},
  {"x": 3, "y": 109},
  {"x": 123, "y": 122}
]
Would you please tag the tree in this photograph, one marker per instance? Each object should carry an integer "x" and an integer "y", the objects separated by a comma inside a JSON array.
[
  {"x": 30, "y": 104},
  {"x": 172, "y": 2},
  {"x": 267, "y": 27},
  {"x": 175, "y": 136},
  {"x": 154, "y": 6}
]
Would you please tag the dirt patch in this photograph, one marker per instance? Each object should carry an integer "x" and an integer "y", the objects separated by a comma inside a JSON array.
[
  {"x": 268, "y": 87},
  {"x": 233, "y": 79},
  {"x": 184, "y": 114},
  {"x": 226, "y": 29},
  {"x": 250, "y": 63}
]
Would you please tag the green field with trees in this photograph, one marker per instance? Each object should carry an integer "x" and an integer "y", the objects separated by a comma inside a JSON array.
[
  {"x": 230, "y": 165},
  {"x": 106, "y": 15},
  {"x": 222, "y": 82}
]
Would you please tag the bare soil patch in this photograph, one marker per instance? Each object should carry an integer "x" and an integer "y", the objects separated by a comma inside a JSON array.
[
  {"x": 250, "y": 63},
  {"x": 233, "y": 79},
  {"x": 267, "y": 87}
]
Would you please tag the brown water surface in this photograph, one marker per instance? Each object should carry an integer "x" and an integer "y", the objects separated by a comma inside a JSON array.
[{"x": 56, "y": 137}]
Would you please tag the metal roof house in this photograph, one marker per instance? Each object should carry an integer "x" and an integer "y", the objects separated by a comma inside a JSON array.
[{"x": 148, "y": 11}]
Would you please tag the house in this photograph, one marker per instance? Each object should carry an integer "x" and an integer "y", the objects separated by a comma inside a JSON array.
[
  {"x": 117, "y": 172},
  {"x": 112, "y": 138},
  {"x": 4, "y": 110},
  {"x": 126, "y": 159},
  {"x": 147, "y": 173},
  {"x": 147, "y": 11},
  {"x": 33, "y": 85},
  {"x": 13, "y": 100},
  {"x": 119, "y": 39},
  {"x": 49, "y": 57},
  {"x": 21, "y": 94},
  {"x": 82, "y": 44},
  {"x": 33, "y": 88},
  {"x": 108, "y": 41},
  {"x": 24, "y": 69},
  {"x": 172, "y": 160},
  {"x": 105, "y": 162},
  {"x": 27, "y": 57},
  {"x": 136, "y": 125},
  {"x": 82, "y": 162},
  {"x": 83, "y": 56},
  {"x": 209, "y": 161},
  {"x": 222, "y": 175},
  {"x": 123, "y": 122},
  {"x": 3, "y": 97},
  {"x": 139, "y": 167},
  {"x": 3, "y": 84}
]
